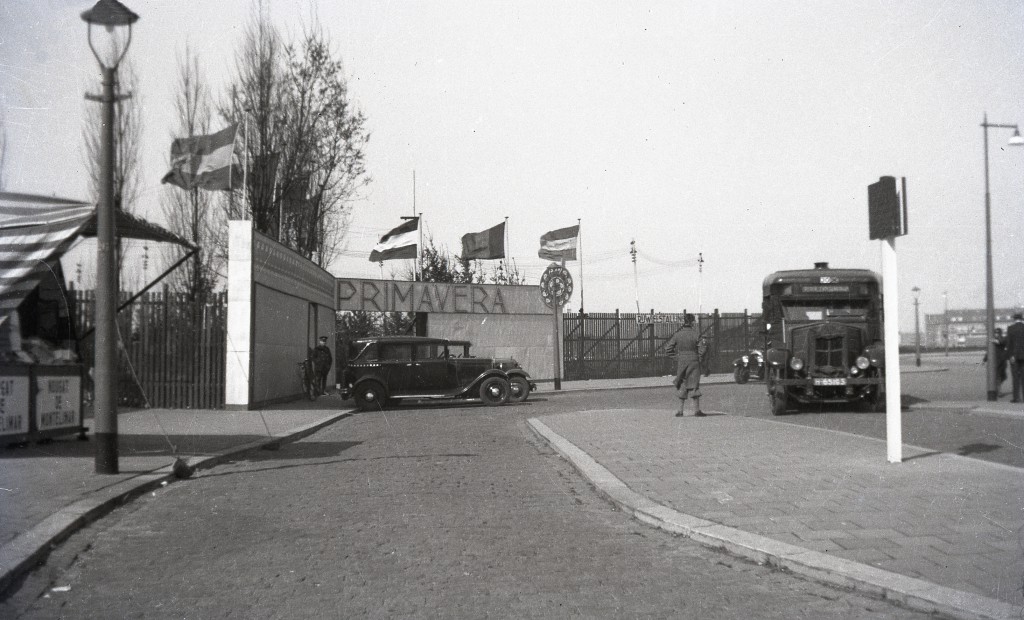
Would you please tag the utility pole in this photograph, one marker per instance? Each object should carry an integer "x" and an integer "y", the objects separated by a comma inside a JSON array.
[
  {"x": 945, "y": 322},
  {"x": 917, "y": 328},
  {"x": 700, "y": 283},
  {"x": 636, "y": 281}
]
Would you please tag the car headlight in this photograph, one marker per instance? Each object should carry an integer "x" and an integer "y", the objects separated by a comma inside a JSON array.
[
  {"x": 863, "y": 362},
  {"x": 745, "y": 359},
  {"x": 854, "y": 371},
  {"x": 796, "y": 363}
]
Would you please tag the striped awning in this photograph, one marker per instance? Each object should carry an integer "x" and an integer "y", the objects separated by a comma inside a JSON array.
[{"x": 34, "y": 230}]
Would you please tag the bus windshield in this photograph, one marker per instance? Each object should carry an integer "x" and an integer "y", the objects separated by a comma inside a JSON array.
[{"x": 819, "y": 310}]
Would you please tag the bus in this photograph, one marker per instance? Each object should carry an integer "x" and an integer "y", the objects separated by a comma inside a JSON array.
[{"x": 825, "y": 337}]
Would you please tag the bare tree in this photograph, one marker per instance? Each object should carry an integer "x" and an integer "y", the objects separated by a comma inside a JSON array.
[
  {"x": 323, "y": 163},
  {"x": 190, "y": 213},
  {"x": 304, "y": 141},
  {"x": 255, "y": 102},
  {"x": 127, "y": 140}
]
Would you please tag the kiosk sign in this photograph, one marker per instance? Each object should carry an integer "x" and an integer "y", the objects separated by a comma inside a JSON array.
[
  {"x": 58, "y": 401},
  {"x": 14, "y": 405}
]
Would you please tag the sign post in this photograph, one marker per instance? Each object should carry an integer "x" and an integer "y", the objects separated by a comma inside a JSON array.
[
  {"x": 555, "y": 290},
  {"x": 886, "y": 221}
]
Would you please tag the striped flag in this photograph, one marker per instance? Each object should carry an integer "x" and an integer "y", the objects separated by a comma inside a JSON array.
[
  {"x": 34, "y": 230},
  {"x": 485, "y": 245},
  {"x": 399, "y": 242},
  {"x": 559, "y": 244},
  {"x": 203, "y": 161}
]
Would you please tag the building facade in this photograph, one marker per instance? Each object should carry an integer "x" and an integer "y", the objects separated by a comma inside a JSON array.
[{"x": 965, "y": 328}]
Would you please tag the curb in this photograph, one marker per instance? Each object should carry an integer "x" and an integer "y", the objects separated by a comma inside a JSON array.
[
  {"x": 910, "y": 592},
  {"x": 30, "y": 548}
]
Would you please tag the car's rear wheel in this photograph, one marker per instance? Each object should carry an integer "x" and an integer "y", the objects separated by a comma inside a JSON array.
[
  {"x": 519, "y": 389},
  {"x": 370, "y": 395},
  {"x": 494, "y": 391}
]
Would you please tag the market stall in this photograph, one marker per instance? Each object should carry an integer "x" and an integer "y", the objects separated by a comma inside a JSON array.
[{"x": 41, "y": 371}]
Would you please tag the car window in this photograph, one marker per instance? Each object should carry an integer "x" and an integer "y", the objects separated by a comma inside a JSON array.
[
  {"x": 401, "y": 352},
  {"x": 427, "y": 352},
  {"x": 363, "y": 351}
]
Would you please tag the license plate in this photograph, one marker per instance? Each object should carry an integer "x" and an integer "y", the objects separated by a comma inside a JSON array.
[{"x": 829, "y": 381}]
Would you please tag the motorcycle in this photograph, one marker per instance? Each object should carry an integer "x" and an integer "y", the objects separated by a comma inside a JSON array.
[{"x": 749, "y": 366}]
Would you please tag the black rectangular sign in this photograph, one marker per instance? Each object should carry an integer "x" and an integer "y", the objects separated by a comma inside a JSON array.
[{"x": 884, "y": 214}]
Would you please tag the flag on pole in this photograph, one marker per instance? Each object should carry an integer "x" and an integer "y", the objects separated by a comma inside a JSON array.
[
  {"x": 399, "y": 242},
  {"x": 559, "y": 244},
  {"x": 485, "y": 245},
  {"x": 203, "y": 161}
]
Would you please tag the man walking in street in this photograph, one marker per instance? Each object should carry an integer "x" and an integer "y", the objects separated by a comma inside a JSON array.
[
  {"x": 1015, "y": 352},
  {"x": 322, "y": 361},
  {"x": 684, "y": 346}
]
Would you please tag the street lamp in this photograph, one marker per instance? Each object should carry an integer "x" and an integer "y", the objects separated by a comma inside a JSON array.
[
  {"x": 945, "y": 322},
  {"x": 917, "y": 328},
  {"x": 990, "y": 306},
  {"x": 109, "y": 48}
]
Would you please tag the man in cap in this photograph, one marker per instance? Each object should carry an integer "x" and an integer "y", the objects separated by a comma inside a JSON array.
[
  {"x": 1015, "y": 352},
  {"x": 322, "y": 361},
  {"x": 684, "y": 345}
]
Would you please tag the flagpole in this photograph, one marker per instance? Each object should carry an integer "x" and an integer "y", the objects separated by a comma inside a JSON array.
[
  {"x": 508, "y": 252},
  {"x": 245, "y": 167},
  {"x": 579, "y": 243}
]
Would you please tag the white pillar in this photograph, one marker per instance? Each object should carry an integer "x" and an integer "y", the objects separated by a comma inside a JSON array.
[
  {"x": 893, "y": 413},
  {"x": 238, "y": 363}
]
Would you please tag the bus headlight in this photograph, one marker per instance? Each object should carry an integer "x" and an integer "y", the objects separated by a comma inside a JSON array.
[
  {"x": 745, "y": 359},
  {"x": 863, "y": 362},
  {"x": 796, "y": 363}
]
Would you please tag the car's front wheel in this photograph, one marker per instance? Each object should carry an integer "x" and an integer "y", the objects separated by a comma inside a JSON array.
[
  {"x": 494, "y": 391},
  {"x": 741, "y": 374},
  {"x": 520, "y": 389},
  {"x": 369, "y": 395}
]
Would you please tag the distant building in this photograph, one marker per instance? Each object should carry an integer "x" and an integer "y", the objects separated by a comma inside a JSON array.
[{"x": 966, "y": 328}]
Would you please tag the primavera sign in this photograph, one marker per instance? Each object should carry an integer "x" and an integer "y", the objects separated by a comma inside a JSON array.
[{"x": 404, "y": 296}]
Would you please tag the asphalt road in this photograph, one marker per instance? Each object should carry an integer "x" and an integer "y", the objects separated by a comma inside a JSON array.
[{"x": 441, "y": 512}]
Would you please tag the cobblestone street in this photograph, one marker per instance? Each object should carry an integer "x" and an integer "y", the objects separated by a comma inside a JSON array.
[{"x": 457, "y": 512}]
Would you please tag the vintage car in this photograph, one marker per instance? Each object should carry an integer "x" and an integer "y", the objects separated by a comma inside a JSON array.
[{"x": 379, "y": 371}]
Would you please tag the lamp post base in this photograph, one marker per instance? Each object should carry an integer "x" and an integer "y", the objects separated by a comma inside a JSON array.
[{"x": 106, "y": 453}]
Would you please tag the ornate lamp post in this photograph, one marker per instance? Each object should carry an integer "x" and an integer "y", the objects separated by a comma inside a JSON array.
[
  {"x": 109, "y": 49},
  {"x": 990, "y": 307}
]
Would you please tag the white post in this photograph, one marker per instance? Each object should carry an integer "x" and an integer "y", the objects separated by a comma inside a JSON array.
[{"x": 893, "y": 413}]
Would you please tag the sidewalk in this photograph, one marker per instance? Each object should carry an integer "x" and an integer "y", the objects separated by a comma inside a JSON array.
[
  {"x": 938, "y": 532},
  {"x": 49, "y": 490}
]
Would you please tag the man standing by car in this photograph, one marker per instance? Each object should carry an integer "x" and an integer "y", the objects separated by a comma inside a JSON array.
[
  {"x": 322, "y": 361},
  {"x": 684, "y": 346},
  {"x": 1015, "y": 352}
]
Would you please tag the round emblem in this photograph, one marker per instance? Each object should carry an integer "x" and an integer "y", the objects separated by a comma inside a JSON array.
[{"x": 555, "y": 286}]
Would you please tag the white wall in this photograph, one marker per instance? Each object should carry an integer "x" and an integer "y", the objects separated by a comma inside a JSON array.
[{"x": 270, "y": 325}]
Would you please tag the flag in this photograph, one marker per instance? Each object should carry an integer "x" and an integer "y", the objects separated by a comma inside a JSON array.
[
  {"x": 34, "y": 231},
  {"x": 559, "y": 244},
  {"x": 399, "y": 242},
  {"x": 203, "y": 161},
  {"x": 485, "y": 245}
]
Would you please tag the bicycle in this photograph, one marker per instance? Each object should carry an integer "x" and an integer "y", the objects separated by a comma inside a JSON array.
[{"x": 307, "y": 378}]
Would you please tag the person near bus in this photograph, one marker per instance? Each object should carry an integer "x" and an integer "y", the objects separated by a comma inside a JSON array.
[
  {"x": 322, "y": 361},
  {"x": 684, "y": 346},
  {"x": 1015, "y": 352}
]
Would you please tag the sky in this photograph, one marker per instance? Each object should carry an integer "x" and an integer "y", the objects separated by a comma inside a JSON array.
[{"x": 742, "y": 133}]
